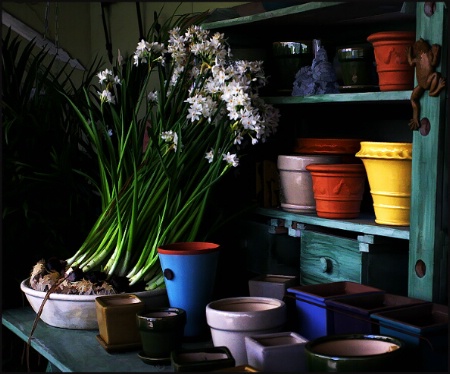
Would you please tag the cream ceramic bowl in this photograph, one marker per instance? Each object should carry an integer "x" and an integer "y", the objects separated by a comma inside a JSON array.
[
  {"x": 78, "y": 312},
  {"x": 231, "y": 319}
]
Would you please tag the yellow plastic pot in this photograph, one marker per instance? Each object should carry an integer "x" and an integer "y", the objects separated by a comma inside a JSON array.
[{"x": 388, "y": 168}]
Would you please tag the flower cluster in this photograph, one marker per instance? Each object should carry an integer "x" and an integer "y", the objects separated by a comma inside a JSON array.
[{"x": 196, "y": 121}]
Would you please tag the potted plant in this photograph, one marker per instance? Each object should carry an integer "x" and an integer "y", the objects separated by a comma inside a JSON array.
[{"x": 162, "y": 144}]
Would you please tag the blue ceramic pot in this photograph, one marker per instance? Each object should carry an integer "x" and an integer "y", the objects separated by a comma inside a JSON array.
[{"x": 189, "y": 274}]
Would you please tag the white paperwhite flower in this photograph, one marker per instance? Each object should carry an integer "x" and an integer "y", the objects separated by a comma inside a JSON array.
[
  {"x": 210, "y": 156},
  {"x": 107, "y": 96},
  {"x": 153, "y": 96},
  {"x": 231, "y": 159},
  {"x": 170, "y": 137}
]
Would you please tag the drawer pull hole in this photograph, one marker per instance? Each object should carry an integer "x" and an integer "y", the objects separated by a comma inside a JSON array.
[{"x": 325, "y": 265}]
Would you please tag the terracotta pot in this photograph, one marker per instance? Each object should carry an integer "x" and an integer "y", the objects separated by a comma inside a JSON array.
[
  {"x": 388, "y": 166},
  {"x": 338, "y": 189},
  {"x": 295, "y": 180},
  {"x": 327, "y": 146},
  {"x": 390, "y": 48}
]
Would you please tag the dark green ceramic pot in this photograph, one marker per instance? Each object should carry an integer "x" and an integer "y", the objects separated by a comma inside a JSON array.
[
  {"x": 161, "y": 331},
  {"x": 356, "y": 65},
  {"x": 354, "y": 352}
]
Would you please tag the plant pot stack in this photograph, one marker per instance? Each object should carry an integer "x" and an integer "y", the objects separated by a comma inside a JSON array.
[{"x": 310, "y": 180}]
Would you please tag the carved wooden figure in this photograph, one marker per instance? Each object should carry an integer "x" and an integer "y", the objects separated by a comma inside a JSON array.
[{"x": 425, "y": 59}]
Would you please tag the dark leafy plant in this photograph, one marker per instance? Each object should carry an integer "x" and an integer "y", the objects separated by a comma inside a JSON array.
[{"x": 47, "y": 206}]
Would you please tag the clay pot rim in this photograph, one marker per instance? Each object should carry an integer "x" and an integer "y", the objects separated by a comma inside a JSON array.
[
  {"x": 298, "y": 162},
  {"x": 391, "y": 36},
  {"x": 327, "y": 145},
  {"x": 177, "y": 313},
  {"x": 336, "y": 168},
  {"x": 336, "y": 338},
  {"x": 188, "y": 248}
]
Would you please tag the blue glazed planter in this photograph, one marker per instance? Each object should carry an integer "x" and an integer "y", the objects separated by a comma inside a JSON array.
[
  {"x": 424, "y": 329},
  {"x": 314, "y": 319},
  {"x": 189, "y": 274}
]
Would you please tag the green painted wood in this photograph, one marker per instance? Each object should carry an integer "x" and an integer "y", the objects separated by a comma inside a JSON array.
[
  {"x": 75, "y": 350},
  {"x": 342, "y": 98},
  {"x": 427, "y": 236},
  {"x": 328, "y": 258},
  {"x": 304, "y": 8},
  {"x": 386, "y": 267},
  {"x": 330, "y": 13},
  {"x": 364, "y": 225}
]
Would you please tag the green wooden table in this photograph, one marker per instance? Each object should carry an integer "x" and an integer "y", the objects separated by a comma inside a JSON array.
[{"x": 76, "y": 350}]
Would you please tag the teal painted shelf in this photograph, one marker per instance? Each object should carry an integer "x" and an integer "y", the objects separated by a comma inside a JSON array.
[
  {"x": 385, "y": 96},
  {"x": 331, "y": 13},
  {"x": 365, "y": 225},
  {"x": 78, "y": 350}
]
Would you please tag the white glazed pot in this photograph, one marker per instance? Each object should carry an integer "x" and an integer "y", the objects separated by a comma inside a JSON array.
[
  {"x": 231, "y": 319},
  {"x": 296, "y": 183},
  {"x": 277, "y": 352},
  {"x": 78, "y": 312}
]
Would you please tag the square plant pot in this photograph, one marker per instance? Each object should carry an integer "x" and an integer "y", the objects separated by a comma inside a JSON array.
[
  {"x": 271, "y": 285},
  {"x": 276, "y": 352},
  {"x": 116, "y": 317},
  {"x": 201, "y": 359},
  {"x": 352, "y": 315},
  {"x": 424, "y": 329},
  {"x": 314, "y": 319}
]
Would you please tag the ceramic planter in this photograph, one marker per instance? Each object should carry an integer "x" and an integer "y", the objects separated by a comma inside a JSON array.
[
  {"x": 231, "y": 319},
  {"x": 338, "y": 189},
  {"x": 314, "y": 319},
  {"x": 353, "y": 315},
  {"x": 116, "y": 316},
  {"x": 296, "y": 182},
  {"x": 354, "y": 353},
  {"x": 288, "y": 58},
  {"x": 161, "y": 331},
  {"x": 277, "y": 352},
  {"x": 326, "y": 146},
  {"x": 424, "y": 329},
  {"x": 388, "y": 166},
  {"x": 189, "y": 274},
  {"x": 391, "y": 49},
  {"x": 78, "y": 312},
  {"x": 356, "y": 66},
  {"x": 201, "y": 359},
  {"x": 271, "y": 285}
]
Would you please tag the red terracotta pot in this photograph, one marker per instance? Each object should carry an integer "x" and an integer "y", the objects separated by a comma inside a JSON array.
[
  {"x": 391, "y": 51},
  {"x": 338, "y": 189}
]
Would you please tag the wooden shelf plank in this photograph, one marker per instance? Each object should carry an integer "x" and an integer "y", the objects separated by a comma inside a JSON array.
[
  {"x": 365, "y": 225},
  {"x": 331, "y": 13},
  {"x": 77, "y": 350},
  {"x": 385, "y": 96}
]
